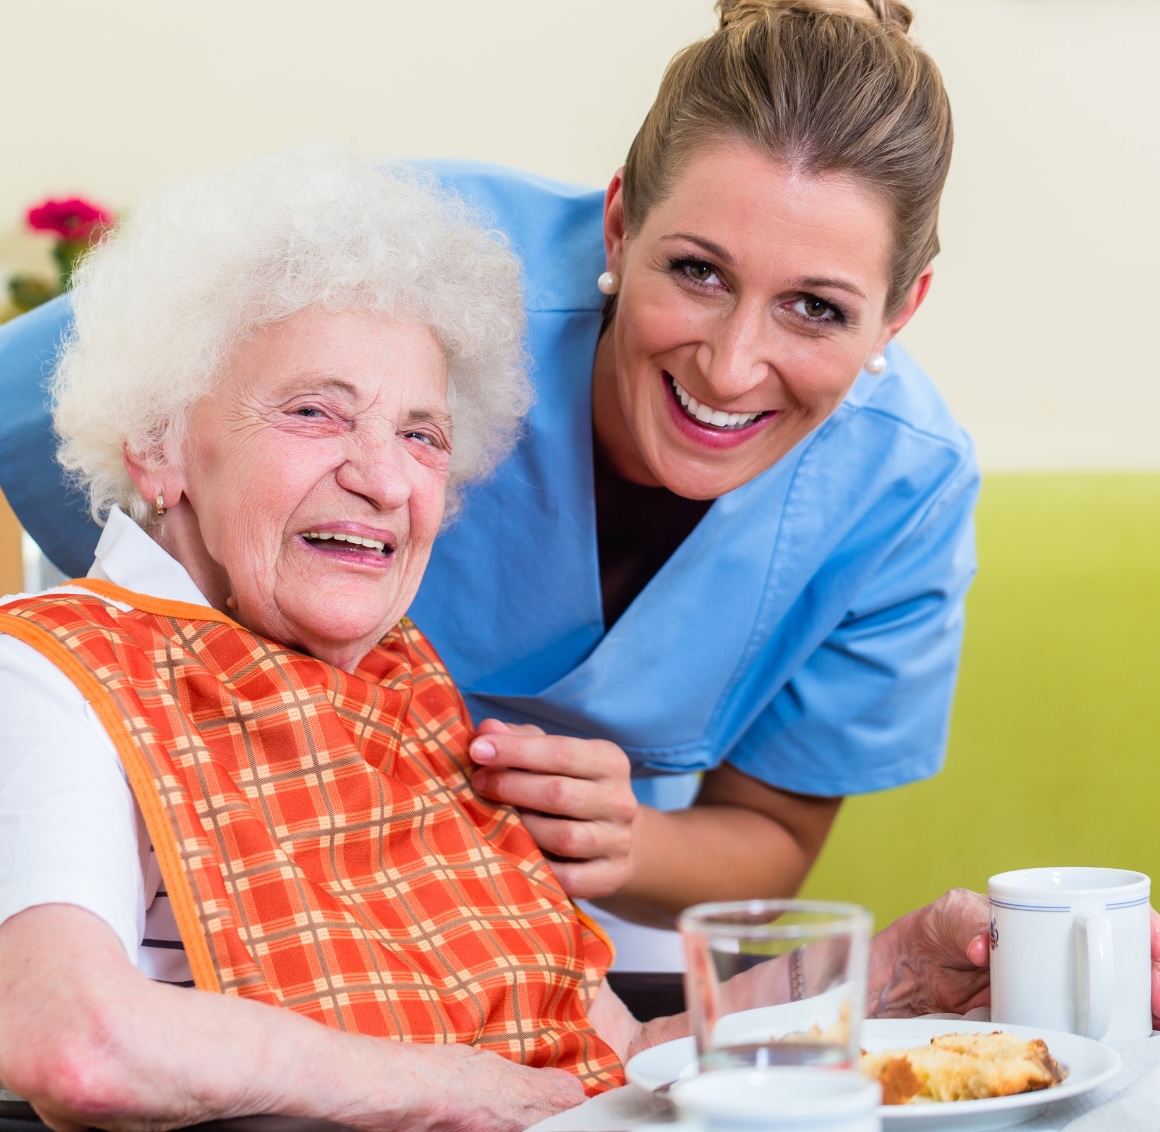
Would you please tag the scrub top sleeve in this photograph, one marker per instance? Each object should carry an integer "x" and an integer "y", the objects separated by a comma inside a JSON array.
[
  {"x": 870, "y": 708},
  {"x": 56, "y": 515}
]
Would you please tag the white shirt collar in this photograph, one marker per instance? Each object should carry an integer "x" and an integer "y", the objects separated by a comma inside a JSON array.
[{"x": 128, "y": 557}]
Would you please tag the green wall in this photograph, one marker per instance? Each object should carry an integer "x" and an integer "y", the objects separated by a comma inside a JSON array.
[{"x": 1054, "y": 755}]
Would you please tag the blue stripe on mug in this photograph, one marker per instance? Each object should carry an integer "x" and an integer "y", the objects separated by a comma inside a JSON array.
[
  {"x": 1031, "y": 907},
  {"x": 1065, "y": 907}
]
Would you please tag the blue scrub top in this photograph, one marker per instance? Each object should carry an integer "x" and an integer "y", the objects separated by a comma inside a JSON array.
[{"x": 807, "y": 631}]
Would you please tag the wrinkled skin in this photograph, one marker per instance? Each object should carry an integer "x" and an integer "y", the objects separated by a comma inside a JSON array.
[{"x": 932, "y": 960}]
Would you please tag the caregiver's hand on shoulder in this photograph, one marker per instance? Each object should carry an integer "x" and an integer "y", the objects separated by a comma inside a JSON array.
[
  {"x": 932, "y": 960},
  {"x": 575, "y": 796}
]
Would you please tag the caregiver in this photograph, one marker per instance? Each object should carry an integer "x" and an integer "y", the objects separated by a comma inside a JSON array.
[
  {"x": 737, "y": 536},
  {"x": 724, "y": 569}
]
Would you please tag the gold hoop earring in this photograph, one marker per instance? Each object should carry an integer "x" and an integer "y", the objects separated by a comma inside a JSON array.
[{"x": 159, "y": 505}]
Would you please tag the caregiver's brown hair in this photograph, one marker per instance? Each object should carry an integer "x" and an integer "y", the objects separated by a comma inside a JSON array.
[{"x": 825, "y": 86}]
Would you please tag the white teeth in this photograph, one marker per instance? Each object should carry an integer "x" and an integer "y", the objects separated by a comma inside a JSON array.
[
  {"x": 338, "y": 536},
  {"x": 716, "y": 418}
]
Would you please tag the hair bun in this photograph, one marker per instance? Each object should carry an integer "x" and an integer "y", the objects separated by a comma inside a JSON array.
[{"x": 890, "y": 13}]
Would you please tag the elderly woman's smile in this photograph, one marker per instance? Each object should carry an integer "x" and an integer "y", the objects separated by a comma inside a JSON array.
[
  {"x": 347, "y": 542},
  {"x": 309, "y": 484}
]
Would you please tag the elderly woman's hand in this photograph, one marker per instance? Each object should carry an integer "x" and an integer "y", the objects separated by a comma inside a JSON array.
[
  {"x": 472, "y": 1090},
  {"x": 932, "y": 960},
  {"x": 936, "y": 959},
  {"x": 575, "y": 796}
]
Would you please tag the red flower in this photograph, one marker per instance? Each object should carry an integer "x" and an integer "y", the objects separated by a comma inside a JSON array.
[{"x": 70, "y": 219}]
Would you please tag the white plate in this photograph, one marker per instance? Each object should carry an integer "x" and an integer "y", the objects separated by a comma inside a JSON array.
[{"x": 1088, "y": 1063}]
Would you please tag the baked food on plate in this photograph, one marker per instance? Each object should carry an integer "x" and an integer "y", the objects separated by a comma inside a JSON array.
[{"x": 964, "y": 1067}]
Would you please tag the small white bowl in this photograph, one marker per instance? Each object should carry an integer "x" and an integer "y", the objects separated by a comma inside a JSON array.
[{"x": 780, "y": 1099}]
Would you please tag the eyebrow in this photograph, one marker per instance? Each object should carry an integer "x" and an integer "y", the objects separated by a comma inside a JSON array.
[
  {"x": 819, "y": 283},
  {"x": 433, "y": 416},
  {"x": 712, "y": 248},
  {"x": 316, "y": 383},
  {"x": 805, "y": 283}
]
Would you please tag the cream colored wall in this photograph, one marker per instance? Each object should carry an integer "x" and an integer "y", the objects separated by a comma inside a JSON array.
[
  {"x": 1043, "y": 322},
  {"x": 1039, "y": 328}
]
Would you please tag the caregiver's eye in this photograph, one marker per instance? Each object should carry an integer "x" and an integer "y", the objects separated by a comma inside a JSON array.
[
  {"x": 815, "y": 309},
  {"x": 696, "y": 271}
]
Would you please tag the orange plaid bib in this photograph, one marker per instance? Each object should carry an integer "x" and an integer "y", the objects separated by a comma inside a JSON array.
[{"x": 318, "y": 835}]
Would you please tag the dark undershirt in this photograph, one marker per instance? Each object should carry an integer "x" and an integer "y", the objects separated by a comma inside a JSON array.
[{"x": 637, "y": 530}]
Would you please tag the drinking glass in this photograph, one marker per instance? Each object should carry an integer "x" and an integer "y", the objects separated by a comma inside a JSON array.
[{"x": 776, "y": 982}]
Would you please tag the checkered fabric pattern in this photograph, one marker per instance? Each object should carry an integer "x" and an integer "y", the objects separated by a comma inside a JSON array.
[{"x": 329, "y": 851}]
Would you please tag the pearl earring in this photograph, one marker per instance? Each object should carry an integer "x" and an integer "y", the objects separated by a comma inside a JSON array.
[
  {"x": 875, "y": 363},
  {"x": 159, "y": 505},
  {"x": 608, "y": 282}
]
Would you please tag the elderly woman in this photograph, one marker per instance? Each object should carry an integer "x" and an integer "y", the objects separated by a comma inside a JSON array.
[{"x": 229, "y": 761}]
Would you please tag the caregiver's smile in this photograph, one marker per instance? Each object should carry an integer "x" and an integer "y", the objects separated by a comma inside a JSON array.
[
  {"x": 750, "y": 298},
  {"x": 712, "y": 420}
]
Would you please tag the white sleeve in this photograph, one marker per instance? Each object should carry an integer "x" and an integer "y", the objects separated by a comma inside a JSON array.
[{"x": 70, "y": 829}]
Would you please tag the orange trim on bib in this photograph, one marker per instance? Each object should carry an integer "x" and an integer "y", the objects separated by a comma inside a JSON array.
[
  {"x": 596, "y": 929},
  {"x": 161, "y": 606}
]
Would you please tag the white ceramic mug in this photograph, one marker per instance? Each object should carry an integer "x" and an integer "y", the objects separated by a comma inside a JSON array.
[
  {"x": 1071, "y": 950},
  {"x": 783, "y": 1099}
]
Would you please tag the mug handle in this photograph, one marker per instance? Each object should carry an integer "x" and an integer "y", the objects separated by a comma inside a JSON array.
[{"x": 1095, "y": 975}]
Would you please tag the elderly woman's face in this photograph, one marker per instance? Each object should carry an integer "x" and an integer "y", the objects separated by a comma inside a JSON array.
[
  {"x": 313, "y": 480},
  {"x": 750, "y": 299}
]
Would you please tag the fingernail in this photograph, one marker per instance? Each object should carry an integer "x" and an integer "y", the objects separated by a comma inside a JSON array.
[{"x": 482, "y": 751}]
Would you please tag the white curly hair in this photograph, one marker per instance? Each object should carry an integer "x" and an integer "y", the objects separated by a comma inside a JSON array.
[{"x": 198, "y": 267}]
